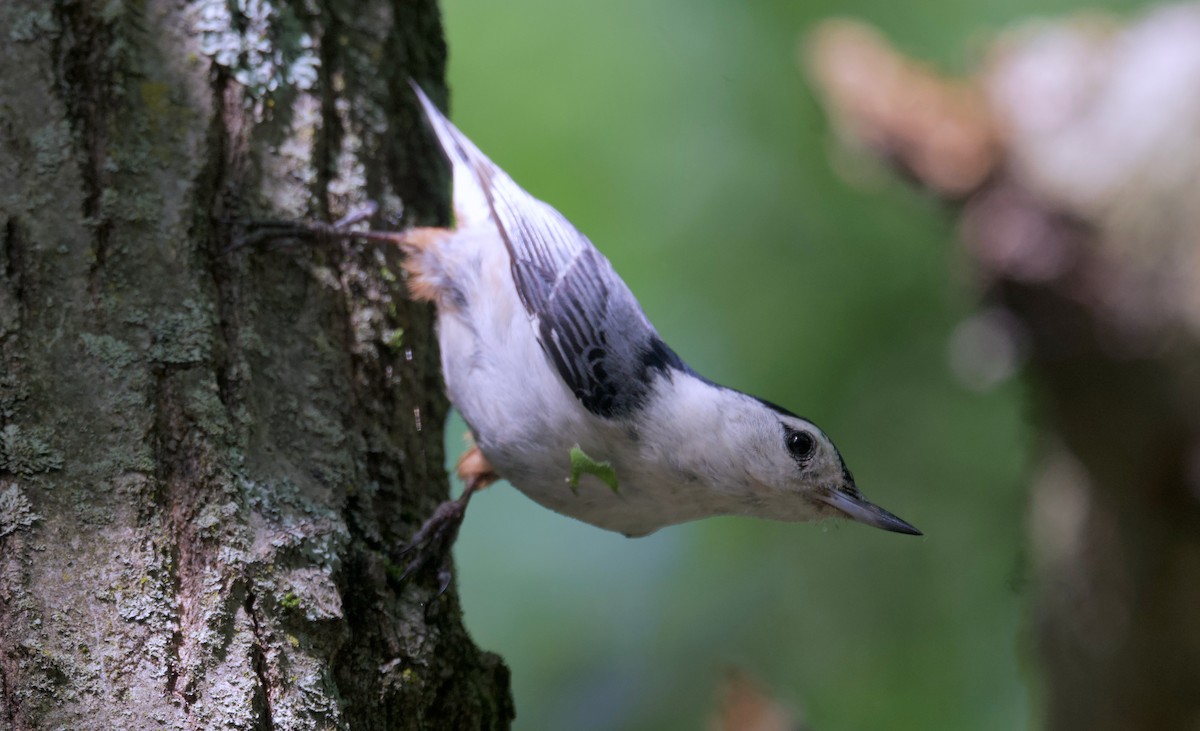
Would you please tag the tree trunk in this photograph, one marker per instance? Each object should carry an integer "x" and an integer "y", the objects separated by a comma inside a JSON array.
[
  {"x": 1075, "y": 158},
  {"x": 209, "y": 459}
]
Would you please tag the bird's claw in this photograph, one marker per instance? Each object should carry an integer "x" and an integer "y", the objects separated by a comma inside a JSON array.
[
  {"x": 436, "y": 536},
  {"x": 433, "y": 543}
]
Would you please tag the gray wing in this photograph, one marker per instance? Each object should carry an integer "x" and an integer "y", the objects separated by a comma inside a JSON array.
[{"x": 589, "y": 324}]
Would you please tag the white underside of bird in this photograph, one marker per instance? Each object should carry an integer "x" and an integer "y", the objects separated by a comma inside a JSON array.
[
  {"x": 544, "y": 351},
  {"x": 526, "y": 421}
]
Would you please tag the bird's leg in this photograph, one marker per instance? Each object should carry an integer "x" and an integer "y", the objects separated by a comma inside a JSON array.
[
  {"x": 257, "y": 233},
  {"x": 426, "y": 281},
  {"x": 437, "y": 535}
]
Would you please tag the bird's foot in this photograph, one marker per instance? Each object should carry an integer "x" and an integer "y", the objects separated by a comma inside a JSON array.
[{"x": 432, "y": 543}]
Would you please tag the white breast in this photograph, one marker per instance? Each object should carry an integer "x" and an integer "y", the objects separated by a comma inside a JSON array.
[{"x": 526, "y": 421}]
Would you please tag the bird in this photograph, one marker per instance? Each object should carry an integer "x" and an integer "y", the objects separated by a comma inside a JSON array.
[{"x": 571, "y": 395}]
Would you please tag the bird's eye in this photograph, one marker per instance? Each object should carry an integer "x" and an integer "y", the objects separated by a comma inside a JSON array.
[{"x": 801, "y": 445}]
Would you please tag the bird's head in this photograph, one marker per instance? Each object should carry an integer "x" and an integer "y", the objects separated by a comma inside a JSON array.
[{"x": 796, "y": 472}]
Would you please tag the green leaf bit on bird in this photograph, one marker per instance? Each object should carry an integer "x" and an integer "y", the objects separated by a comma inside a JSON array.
[{"x": 582, "y": 464}]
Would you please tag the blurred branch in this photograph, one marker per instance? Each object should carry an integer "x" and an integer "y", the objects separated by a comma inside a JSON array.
[
  {"x": 932, "y": 127},
  {"x": 1074, "y": 156}
]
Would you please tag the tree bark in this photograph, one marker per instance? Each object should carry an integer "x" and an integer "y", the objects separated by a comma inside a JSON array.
[
  {"x": 209, "y": 459},
  {"x": 1073, "y": 159}
]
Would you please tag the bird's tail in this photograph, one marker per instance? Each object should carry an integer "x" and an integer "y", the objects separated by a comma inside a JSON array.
[{"x": 471, "y": 168}]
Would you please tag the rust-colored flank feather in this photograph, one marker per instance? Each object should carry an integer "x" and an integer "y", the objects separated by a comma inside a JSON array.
[
  {"x": 424, "y": 285},
  {"x": 474, "y": 469}
]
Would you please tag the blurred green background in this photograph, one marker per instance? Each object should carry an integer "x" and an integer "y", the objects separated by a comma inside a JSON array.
[{"x": 682, "y": 138}]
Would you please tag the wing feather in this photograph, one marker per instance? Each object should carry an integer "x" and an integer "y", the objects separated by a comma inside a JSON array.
[{"x": 588, "y": 323}]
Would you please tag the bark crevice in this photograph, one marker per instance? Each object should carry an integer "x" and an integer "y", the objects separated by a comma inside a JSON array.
[
  {"x": 258, "y": 660},
  {"x": 83, "y": 79},
  {"x": 12, "y": 294}
]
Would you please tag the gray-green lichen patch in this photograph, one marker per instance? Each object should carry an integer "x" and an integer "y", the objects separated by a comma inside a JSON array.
[
  {"x": 312, "y": 591},
  {"x": 114, "y": 354},
  {"x": 183, "y": 337},
  {"x": 53, "y": 145},
  {"x": 202, "y": 403},
  {"x": 226, "y": 690},
  {"x": 264, "y": 44},
  {"x": 16, "y": 511},
  {"x": 213, "y": 518},
  {"x": 289, "y": 166},
  {"x": 346, "y": 189},
  {"x": 316, "y": 699},
  {"x": 12, "y": 393},
  {"x": 32, "y": 26},
  {"x": 26, "y": 451},
  {"x": 319, "y": 424},
  {"x": 134, "y": 204},
  {"x": 301, "y": 527},
  {"x": 149, "y": 598}
]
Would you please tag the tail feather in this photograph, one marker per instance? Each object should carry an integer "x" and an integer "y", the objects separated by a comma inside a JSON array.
[{"x": 471, "y": 168}]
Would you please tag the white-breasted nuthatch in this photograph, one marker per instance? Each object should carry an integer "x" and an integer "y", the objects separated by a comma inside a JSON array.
[{"x": 561, "y": 378}]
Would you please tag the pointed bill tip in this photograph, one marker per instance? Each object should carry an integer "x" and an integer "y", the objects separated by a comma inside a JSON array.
[
  {"x": 896, "y": 525},
  {"x": 858, "y": 508}
]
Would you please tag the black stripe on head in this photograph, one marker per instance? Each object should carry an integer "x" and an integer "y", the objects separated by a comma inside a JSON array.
[
  {"x": 769, "y": 404},
  {"x": 778, "y": 409}
]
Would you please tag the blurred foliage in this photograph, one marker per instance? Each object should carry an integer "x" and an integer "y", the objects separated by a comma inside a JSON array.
[{"x": 681, "y": 137}]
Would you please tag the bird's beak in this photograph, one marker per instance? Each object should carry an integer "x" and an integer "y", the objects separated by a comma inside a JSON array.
[{"x": 857, "y": 507}]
